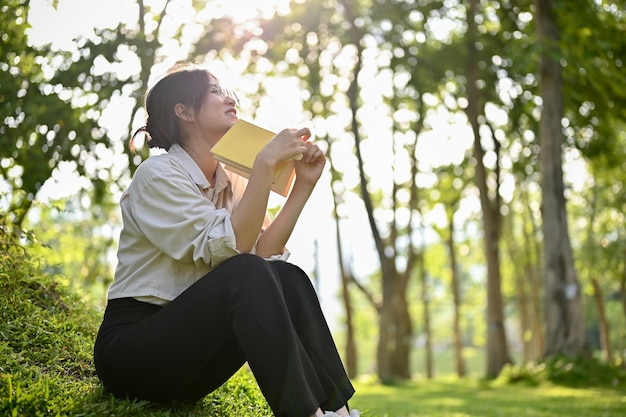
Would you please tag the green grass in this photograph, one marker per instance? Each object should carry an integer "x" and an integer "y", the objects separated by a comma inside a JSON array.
[
  {"x": 46, "y": 342},
  {"x": 46, "y": 369},
  {"x": 451, "y": 397}
]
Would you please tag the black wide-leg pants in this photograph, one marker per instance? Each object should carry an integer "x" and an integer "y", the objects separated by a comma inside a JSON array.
[{"x": 247, "y": 309}]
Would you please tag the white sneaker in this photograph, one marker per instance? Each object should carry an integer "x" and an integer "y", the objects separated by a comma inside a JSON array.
[{"x": 353, "y": 413}]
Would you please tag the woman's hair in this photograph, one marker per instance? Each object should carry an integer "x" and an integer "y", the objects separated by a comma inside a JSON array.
[{"x": 184, "y": 83}]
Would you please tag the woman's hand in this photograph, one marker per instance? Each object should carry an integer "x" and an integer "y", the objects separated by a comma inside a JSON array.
[
  {"x": 247, "y": 218},
  {"x": 308, "y": 170},
  {"x": 288, "y": 144},
  {"x": 310, "y": 167}
]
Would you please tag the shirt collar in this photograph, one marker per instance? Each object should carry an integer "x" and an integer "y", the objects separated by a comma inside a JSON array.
[{"x": 191, "y": 167}]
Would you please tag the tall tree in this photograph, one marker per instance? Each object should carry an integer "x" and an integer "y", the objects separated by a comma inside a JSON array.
[
  {"x": 595, "y": 108},
  {"x": 346, "y": 274},
  {"x": 565, "y": 333},
  {"x": 451, "y": 181},
  {"x": 497, "y": 345},
  {"x": 395, "y": 330},
  {"x": 524, "y": 283},
  {"x": 417, "y": 63},
  {"x": 525, "y": 252}
]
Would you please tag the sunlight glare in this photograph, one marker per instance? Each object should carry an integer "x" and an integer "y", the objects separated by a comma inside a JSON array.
[
  {"x": 252, "y": 9},
  {"x": 73, "y": 18}
]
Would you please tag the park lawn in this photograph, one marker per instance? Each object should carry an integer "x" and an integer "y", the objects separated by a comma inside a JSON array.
[
  {"x": 452, "y": 397},
  {"x": 46, "y": 369}
]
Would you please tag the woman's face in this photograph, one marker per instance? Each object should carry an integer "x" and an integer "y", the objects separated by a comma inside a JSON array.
[{"x": 218, "y": 112}]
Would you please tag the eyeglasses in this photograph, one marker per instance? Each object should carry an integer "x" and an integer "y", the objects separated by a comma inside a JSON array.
[{"x": 224, "y": 93}]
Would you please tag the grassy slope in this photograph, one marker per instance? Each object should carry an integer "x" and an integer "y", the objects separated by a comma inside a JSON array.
[{"x": 46, "y": 339}]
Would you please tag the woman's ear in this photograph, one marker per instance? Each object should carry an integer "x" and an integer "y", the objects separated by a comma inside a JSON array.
[{"x": 183, "y": 112}]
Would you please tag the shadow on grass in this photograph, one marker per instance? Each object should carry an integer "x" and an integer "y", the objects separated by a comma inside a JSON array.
[{"x": 240, "y": 396}]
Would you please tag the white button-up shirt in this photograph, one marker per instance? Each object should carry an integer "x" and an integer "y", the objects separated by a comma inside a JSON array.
[{"x": 176, "y": 228}]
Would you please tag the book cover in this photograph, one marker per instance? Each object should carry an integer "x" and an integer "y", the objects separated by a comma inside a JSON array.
[{"x": 239, "y": 147}]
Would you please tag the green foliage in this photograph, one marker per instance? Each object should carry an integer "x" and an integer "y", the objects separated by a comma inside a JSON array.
[
  {"x": 592, "y": 76},
  {"x": 566, "y": 371},
  {"x": 46, "y": 342},
  {"x": 44, "y": 121},
  {"x": 77, "y": 243}
]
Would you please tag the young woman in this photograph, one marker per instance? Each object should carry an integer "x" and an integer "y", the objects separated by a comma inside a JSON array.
[{"x": 202, "y": 284}]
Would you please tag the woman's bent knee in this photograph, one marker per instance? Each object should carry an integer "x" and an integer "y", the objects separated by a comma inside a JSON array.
[
  {"x": 246, "y": 269},
  {"x": 293, "y": 276}
]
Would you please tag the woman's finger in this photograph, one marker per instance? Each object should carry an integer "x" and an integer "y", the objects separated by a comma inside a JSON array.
[{"x": 304, "y": 133}]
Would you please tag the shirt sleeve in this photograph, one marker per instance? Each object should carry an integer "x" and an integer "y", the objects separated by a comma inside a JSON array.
[
  {"x": 174, "y": 215},
  {"x": 280, "y": 257}
]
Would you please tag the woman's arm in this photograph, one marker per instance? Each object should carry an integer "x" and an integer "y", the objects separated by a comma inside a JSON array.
[
  {"x": 247, "y": 218},
  {"x": 308, "y": 172},
  {"x": 168, "y": 210}
]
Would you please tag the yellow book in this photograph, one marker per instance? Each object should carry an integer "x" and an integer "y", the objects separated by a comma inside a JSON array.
[{"x": 239, "y": 147}]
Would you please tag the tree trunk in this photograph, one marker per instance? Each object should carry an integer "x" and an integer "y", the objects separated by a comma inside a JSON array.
[
  {"x": 456, "y": 299},
  {"x": 533, "y": 255},
  {"x": 598, "y": 297},
  {"x": 425, "y": 296},
  {"x": 622, "y": 293},
  {"x": 603, "y": 324},
  {"x": 524, "y": 281},
  {"x": 523, "y": 305},
  {"x": 400, "y": 369},
  {"x": 565, "y": 333},
  {"x": 394, "y": 334},
  {"x": 351, "y": 349},
  {"x": 395, "y": 331},
  {"x": 525, "y": 323},
  {"x": 497, "y": 348},
  {"x": 351, "y": 353}
]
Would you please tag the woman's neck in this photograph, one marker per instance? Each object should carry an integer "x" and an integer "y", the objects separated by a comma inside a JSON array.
[{"x": 200, "y": 152}]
